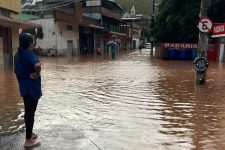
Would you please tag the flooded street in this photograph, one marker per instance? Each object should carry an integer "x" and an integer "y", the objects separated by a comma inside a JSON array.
[{"x": 132, "y": 103}]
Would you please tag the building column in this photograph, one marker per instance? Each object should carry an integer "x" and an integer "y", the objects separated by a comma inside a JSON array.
[
  {"x": 221, "y": 49},
  {"x": 7, "y": 48}
]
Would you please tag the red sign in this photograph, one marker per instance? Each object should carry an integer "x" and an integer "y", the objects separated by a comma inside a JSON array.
[
  {"x": 205, "y": 25},
  {"x": 218, "y": 30}
]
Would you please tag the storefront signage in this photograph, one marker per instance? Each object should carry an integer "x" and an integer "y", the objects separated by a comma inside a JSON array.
[
  {"x": 180, "y": 45},
  {"x": 218, "y": 30}
]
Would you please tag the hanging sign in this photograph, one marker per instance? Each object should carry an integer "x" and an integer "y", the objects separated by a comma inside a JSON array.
[
  {"x": 205, "y": 25},
  {"x": 218, "y": 30}
]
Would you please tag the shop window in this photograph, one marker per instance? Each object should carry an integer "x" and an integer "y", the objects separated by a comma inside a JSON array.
[{"x": 69, "y": 27}]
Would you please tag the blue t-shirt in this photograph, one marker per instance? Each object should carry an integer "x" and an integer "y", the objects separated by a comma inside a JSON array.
[
  {"x": 24, "y": 63},
  {"x": 113, "y": 47}
]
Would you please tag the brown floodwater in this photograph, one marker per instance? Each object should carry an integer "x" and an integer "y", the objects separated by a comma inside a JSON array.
[{"x": 133, "y": 102}]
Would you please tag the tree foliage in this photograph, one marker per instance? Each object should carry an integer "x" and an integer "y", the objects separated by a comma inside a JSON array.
[
  {"x": 146, "y": 32},
  {"x": 23, "y": 2},
  {"x": 177, "y": 21},
  {"x": 217, "y": 11}
]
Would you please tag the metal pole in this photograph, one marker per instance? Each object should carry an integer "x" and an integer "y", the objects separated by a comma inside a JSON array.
[
  {"x": 202, "y": 42},
  {"x": 153, "y": 21}
]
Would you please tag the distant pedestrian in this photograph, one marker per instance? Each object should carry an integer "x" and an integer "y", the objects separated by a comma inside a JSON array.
[
  {"x": 113, "y": 46},
  {"x": 27, "y": 68},
  {"x": 84, "y": 49},
  {"x": 140, "y": 47}
]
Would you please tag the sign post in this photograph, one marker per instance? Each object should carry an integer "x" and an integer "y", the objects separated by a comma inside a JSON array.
[{"x": 205, "y": 26}]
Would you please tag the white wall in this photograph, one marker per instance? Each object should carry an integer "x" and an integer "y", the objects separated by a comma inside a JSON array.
[
  {"x": 56, "y": 36},
  {"x": 64, "y": 35},
  {"x": 15, "y": 39}
]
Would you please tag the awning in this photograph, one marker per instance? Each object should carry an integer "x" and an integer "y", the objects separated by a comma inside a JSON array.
[
  {"x": 8, "y": 22},
  {"x": 92, "y": 26},
  {"x": 96, "y": 27},
  {"x": 117, "y": 33}
]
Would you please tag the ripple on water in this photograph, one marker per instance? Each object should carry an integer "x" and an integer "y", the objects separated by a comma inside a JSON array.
[{"x": 131, "y": 103}]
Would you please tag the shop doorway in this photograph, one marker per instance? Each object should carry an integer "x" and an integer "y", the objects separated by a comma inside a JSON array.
[{"x": 70, "y": 48}]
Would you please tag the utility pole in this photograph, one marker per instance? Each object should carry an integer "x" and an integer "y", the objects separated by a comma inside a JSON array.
[
  {"x": 152, "y": 24},
  {"x": 201, "y": 61}
]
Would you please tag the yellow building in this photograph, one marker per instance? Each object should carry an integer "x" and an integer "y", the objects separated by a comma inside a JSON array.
[{"x": 9, "y": 30}]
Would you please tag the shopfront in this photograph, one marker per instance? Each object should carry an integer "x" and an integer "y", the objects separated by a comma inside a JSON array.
[{"x": 9, "y": 39}]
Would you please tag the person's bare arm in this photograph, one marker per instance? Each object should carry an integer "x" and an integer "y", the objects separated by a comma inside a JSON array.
[{"x": 37, "y": 68}]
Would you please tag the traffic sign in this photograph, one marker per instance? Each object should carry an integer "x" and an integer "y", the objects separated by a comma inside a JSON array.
[
  {"x": 205, "y": 25},
  {"x": 201, "y": 64}
]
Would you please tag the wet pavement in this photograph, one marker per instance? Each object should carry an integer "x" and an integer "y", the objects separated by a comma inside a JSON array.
[{"x": 132, "y": 103}]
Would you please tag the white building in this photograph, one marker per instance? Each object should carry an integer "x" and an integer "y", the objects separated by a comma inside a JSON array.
[
  {"x": 61, "y": 32},
  {"x": 60, "y": 38}
]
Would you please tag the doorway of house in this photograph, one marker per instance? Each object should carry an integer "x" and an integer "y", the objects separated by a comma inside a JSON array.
[{"x": 69, "y": 48}]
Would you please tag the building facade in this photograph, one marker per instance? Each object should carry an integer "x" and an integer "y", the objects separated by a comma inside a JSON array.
[
  {"x": 9, "y": 30},
  {"x": 107, "y": 15},
  {"x": 59, "y": 28},
  {"x": 79, "y": 27},
  {"x": 134, "y": 22}
]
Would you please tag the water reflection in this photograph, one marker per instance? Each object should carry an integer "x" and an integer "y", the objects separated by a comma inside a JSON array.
[
  {"x": 11, "y": 111},
  {"x": 133, "y": 102}
]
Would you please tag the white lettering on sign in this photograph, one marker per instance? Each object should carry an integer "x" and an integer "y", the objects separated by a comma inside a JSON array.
[
  {"x": 180, "y": 45},
  {"x": 219, "y": 29}
]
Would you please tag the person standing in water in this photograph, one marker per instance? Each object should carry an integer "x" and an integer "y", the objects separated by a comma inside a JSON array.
[
  {"x": 113, "y": 46},
  {"x": 27, "y": 68}
]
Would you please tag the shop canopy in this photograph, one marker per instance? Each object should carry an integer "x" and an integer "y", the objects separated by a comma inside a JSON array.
[{"x": 15, "y": 23}]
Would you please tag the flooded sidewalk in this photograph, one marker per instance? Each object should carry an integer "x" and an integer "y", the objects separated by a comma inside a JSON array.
[{"x": 134, "y": 102}]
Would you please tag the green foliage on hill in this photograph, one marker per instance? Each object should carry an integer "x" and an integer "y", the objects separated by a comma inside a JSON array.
[{"x": 141, "y": 6}]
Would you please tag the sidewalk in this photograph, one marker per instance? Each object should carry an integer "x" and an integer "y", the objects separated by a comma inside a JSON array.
[{"x": 51, "y": 139}]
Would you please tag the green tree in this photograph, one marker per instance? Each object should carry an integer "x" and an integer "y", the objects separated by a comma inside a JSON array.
[
  {"x": 177, "y": 21},
  {"x": 26, "y": 2},
  {"x": 146, "y": 32},
  {"x": 217, "y": 11}
]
